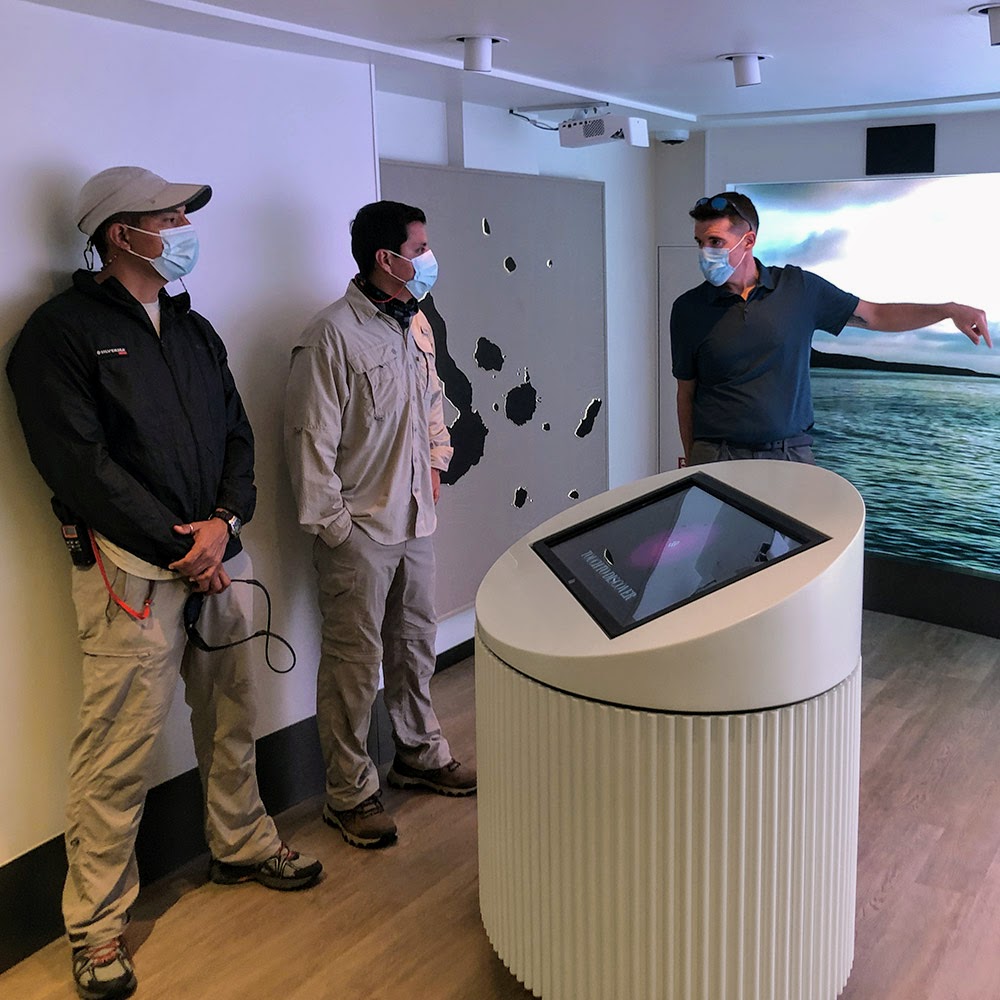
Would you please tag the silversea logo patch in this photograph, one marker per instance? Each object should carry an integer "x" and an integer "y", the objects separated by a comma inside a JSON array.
[{"x": 118, "y": 351}]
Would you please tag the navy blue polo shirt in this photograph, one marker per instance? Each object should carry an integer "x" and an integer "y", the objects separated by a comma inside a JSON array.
[{"x": 750, "y": 358}]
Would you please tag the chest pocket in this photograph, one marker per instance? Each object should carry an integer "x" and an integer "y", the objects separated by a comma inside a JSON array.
[{"x": 379, "y": 380}]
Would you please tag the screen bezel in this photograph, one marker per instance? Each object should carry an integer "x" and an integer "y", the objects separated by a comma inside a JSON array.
[{"x": 807, "y": 536}]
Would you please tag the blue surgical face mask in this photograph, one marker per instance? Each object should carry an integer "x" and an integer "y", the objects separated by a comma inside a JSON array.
[
  {"x": 425, "y": 272},
  {"x": 715, "y": 265},
  {"x": 179, "y": 254}
]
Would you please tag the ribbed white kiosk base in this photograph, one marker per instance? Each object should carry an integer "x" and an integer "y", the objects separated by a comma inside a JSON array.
[{"x": 642, "y": 855}]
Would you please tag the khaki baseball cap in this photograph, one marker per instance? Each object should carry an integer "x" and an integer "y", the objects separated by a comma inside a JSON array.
[{"x": 133, "y": 189}]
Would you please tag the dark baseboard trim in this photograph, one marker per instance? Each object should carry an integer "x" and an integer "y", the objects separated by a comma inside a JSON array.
[
  {"x": 171, "y": 829},
  {"x": 290, "y": 765},
  {"x": 31, "y": 901},
  {"x": 455, "y": 655},
  {"x": 932, "y": 593}
]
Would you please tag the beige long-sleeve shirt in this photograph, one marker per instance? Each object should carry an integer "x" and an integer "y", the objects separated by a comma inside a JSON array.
[{"x": 364, "y": 424}]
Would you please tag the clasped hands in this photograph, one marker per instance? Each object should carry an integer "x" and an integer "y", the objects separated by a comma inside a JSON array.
[{"x": 202, "y": 566}]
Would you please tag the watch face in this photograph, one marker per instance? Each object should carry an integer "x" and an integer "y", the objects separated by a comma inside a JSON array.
[{"x": 232, "y": 521}]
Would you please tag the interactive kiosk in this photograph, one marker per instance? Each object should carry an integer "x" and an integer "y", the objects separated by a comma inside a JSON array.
[{"x": 668, "y": 716}]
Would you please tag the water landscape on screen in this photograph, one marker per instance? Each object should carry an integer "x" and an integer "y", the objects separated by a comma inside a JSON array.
[{"x": 911, "y": 419}]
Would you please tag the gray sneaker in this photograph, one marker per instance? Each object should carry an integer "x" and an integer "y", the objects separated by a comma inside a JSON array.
[
  {"x": 284, "y": 870},
  {"x": 366, "y": 825},
  {"x": 452, "y": 779},
  {"x": 104, "y": 971}
]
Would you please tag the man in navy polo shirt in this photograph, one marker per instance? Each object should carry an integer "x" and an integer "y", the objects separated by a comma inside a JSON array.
[{"x": 740, "y": 341}]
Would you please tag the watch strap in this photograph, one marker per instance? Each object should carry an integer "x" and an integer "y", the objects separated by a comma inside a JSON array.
[{"x": 232, "y": 521}]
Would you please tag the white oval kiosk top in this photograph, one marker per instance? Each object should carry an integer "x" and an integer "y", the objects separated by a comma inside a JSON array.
[{"x": 724, "y": 588}]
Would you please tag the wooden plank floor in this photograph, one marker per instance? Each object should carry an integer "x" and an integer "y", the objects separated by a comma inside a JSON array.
[{"x": 403, "y": 923}]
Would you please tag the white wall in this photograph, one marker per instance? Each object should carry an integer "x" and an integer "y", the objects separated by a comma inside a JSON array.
[
  {"x": 494, "y": 140},
  {"x": 267, "y": 130},
  {"x": 413, "y": 128},
  {"x": 680, "y": 182}
]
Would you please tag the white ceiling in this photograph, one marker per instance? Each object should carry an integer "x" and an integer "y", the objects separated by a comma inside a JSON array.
[{"x": 855, "y": 58}]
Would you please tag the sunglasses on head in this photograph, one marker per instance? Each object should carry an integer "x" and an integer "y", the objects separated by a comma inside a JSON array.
[{"x": 721, "y": 203}]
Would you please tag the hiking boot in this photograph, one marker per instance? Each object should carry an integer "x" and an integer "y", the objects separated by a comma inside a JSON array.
[
  {"x": 452, "y": 779},
  {"x": 366, "y": 825},
  {"x": 104, "y": 971},
  {"x": 284, "y": 870}
]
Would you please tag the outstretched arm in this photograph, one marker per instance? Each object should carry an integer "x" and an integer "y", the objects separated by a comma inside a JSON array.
[{"x": 895, "y": 317}]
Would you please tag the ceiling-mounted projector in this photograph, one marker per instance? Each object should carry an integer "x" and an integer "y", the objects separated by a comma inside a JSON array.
[{"x": 589, "y": 130}]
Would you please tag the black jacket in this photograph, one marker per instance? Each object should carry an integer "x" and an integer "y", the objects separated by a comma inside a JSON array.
[{"x": 132, "y": 432}]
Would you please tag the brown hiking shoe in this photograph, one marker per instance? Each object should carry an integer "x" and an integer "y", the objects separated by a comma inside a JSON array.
[
  {"x": 452, "y": 779},
  {"x": 366, "y": 825}
]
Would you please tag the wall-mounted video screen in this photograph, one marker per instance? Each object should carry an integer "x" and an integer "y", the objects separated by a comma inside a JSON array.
[
  {"x": 908, "y": 418},
  {"x": 663, "y": 550}
]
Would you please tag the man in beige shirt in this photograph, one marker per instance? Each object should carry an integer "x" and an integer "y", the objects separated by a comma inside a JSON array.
[{"x": 366, "y": 444}]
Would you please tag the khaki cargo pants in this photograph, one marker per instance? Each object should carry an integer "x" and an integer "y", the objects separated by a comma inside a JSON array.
[{"x": 130, "y": 671}]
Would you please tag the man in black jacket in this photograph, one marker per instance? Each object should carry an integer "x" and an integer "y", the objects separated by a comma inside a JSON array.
[{"x": 133, "y": 419}]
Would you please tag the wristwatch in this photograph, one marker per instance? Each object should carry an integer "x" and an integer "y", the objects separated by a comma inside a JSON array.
[{"x": 233, "y": 521}]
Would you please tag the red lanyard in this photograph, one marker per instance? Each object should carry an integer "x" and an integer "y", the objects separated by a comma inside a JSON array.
[{"x": 139, "y": 616}]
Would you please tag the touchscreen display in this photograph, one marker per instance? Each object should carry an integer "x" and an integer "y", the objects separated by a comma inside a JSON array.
[{"x": 654, "y": 554}]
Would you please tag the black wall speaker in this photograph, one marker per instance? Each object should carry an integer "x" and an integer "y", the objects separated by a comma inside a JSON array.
[{"x": 900, "y": 149}]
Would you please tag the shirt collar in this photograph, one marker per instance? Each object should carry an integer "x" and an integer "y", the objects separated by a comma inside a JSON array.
[
  {"x": 766, "y": 278},
  {"x": 401, "y": 312},
  {"x": 112, "y": 290}
]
